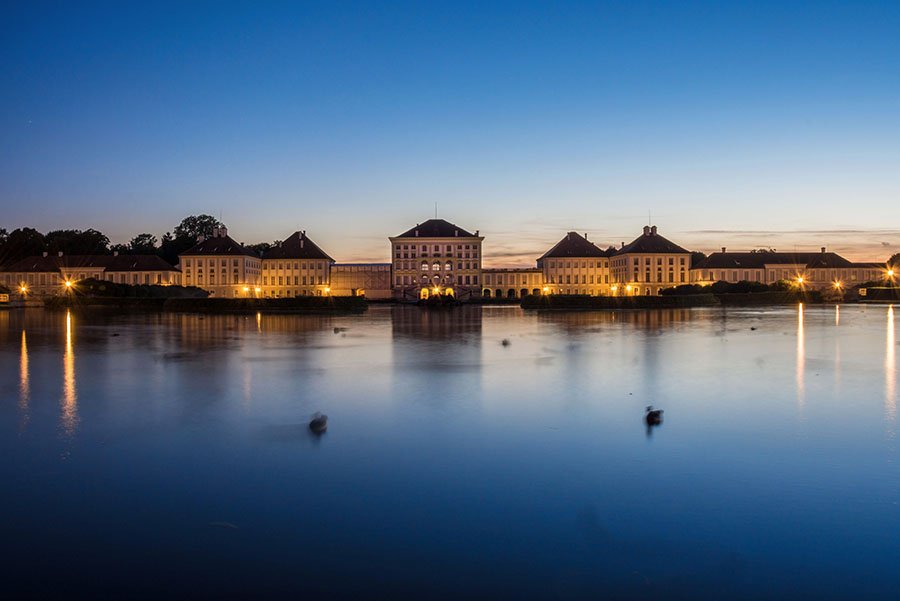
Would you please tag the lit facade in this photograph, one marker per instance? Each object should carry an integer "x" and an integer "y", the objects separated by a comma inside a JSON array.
[
  {"x": 512, "y": 283},
  {"x": 436, "y": 257},
  {"x": 817, "y": 271},
  {"x": 575, "y": 266},
  {"x": 222, "y": 267},
  {"x": 51, "y": 275},
  {"x": 649, "y": 264},
  {"x": 296, "y": 267}
]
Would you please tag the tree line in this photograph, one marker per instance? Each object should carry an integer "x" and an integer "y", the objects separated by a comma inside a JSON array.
[{"x": 26, "y": 242}]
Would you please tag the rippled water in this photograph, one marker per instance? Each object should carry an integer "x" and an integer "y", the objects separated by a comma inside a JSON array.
[{"x": 168, "y": 455}]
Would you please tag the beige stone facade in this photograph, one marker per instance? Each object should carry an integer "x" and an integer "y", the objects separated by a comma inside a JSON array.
[
  {"x": 648, "y": 265},
  {"x": 222, "y": 267},
  {"x": 372, "y": 280},
  {"x": 512, "y": 283},
  {"x": 436, "y": 257},
  {"x": 817, "y": 271},
  {"x": 51, "y": 275},
  {"x": 296, "y": 267}
]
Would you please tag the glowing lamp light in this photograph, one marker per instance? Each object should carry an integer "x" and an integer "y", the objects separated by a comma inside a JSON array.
[
  {"x": 23, "y": 289},
  {"x": 327, "y": 289},
  {"x": 246, "y": 289},
  {"x": 890, "y": 273},
  {"x": 614, "y": 288},
  {"x": 799, "y": 279},
  {"x": 257, "y": 290},
  {"x": 628, "y": 288},
  {"x": 838, "y": 284},
  {"x": 68, "y": 284}
]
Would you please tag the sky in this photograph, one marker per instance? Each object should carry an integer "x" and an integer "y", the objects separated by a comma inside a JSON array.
[{"x": 736, "y": 124}]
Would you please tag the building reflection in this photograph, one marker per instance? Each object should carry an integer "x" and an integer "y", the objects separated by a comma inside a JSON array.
[
  {"x": 24, "y": 381},
  {"x": 890, "y": 368},
  {"x": 69, "y": 415},
  {"x": 801, "y": 358}
]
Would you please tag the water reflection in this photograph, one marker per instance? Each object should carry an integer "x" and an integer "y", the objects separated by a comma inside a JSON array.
[
  {"x": 890, "y": 368},
  {"x": 24, "y": 383},
  {"x": 801, "y": 358},
  {"x": 69, "y": 415},
  {"x": 837, "y": 315}
]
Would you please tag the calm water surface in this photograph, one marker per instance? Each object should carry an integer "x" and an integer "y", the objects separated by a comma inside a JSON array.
[{"x": 168, "y": 455}]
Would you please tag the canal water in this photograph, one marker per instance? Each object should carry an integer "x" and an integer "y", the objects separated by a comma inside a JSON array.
[{"x": 168, "y": 456}]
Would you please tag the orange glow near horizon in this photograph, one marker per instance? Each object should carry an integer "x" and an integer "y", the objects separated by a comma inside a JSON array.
[{"x": 890, "y": 368}]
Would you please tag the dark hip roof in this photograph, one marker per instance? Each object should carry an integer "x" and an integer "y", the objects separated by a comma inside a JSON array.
[
  {"x": 651, "y": 242},
  {"x": 436, "y": 228},
  {"x": 758, "y": 260},
  {"x": 297, "y": 246},
  {"x": 53, "y": 263},
  {"x": 219, "y": 245},
  {"x": 574, "y": 245}
]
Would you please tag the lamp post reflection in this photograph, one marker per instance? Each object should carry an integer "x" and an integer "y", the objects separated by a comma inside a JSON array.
[
  {"x": 890, "y": 368},
  {"x": 801, "y": 357},
  {"x": 69, "y": 415},
  {"x": 24, "y": 381}
]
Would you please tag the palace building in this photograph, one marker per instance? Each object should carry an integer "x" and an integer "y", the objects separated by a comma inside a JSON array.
[
  {"x": 815, "y": 270},
  {"x": 648, "y": 265},
  {"x": 50, "y": 275},
  {"x": 436, "y": 257},
  {"x": 296, "y": 267},
  {"x": 575, "y": 266},
  {"x": 221, "y": 266}
]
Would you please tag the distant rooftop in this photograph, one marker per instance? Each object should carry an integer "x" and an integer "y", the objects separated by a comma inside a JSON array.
[{"x": 651, "y": 242}]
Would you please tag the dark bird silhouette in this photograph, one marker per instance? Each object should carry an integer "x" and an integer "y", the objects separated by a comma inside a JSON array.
[
  {"x": 653, "y": 417},
  {"x": 505, "y": 342},
  {"x": 319, "y": 423}
]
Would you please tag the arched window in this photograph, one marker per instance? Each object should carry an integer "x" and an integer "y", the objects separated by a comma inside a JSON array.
[
  {"x": 436, "y": 266},
  {"x": 448, "y": 266},
  {"x": 424, "y": 265}
]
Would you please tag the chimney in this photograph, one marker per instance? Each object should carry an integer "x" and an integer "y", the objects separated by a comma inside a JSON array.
[
  {"x": 476, "y": 233},
  {"x": 456, "y": 232},
  {"x": 723, "y": 249},
  {"x": 301, "y": 242},
  {"x": 823, "y": 250},
  {"x": 653, "y": 230},
  {"x": 646, "y": 230},
  {"x": 585, "y": 235},
  {"x": 623, "y": 245},
  {"x": 45, "y": 253}
]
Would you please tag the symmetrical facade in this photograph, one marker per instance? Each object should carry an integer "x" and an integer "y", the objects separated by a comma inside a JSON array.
[
  {"x": 296, "y": 267},
  {"x": 50, "y": 275},
  {"x": 439, "y": 257},
  {"x": 575, "y": 266},
  {"x": 436, "y": 257},
  {"x": 819, "y": 270},
  {"x": 221, "y": 266}
]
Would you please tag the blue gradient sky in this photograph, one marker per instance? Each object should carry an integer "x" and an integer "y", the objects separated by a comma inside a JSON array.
[{"x": 737, "y": 125}]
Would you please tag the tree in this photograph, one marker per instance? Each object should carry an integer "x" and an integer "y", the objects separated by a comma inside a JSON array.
[
  {"x": 261, "y": 247},
  {"x": 143, "y": 244},
  {"x": 894, "y": 262},
  {"x": 696, "y": 257},
  {"x": 21, "y": 243},
  {"x": 77, "y": 242},
  {"x": 194, "y": 226}
]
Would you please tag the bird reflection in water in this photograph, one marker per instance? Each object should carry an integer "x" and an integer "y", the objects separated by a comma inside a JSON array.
[{"x": 69, "y": 415}]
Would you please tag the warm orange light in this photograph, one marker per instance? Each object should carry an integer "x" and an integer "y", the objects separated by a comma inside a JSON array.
[
  {"x": 838, "y": 284},
  {"x": 246, "y": 289},
  {"x": 68, "y": 284},
  {"x": 614, "y": 288},
  {"x": 890, "y": 273},
  {"x": 327, "y": 289},
  {"x": 799, "y": 279},
  {"x": 258, "y": 290},
  {"x": 23, "y": 289},
  {"x": 628, "y": 288}
]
